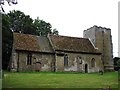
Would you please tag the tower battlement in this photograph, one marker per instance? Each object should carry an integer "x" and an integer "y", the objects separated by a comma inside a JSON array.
[{"x": 98, "y": 27}]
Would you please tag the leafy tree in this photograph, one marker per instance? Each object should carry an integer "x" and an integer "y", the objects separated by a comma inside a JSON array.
[
  {"x": 6, "y": 34},
  {"x": 42, "y": 27},
  {"x": 55, "y": 32},
  {"x": 21, "y": 23},
  {"x": 7, "y": 40},
  {"x": 116, "y": 63},
  {"x": 2, "y": 2}
]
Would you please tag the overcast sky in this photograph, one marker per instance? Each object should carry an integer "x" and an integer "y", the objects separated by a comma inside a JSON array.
[{"x": 71, "y": 17}]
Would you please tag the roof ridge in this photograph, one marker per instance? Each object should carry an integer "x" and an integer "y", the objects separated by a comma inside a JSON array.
[
  {"x": 26, "y": 34},
  {"x": 68, "y": 36}
]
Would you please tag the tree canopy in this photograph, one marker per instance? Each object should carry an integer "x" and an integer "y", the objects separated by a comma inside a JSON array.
[
  {"x": 42, "y": 28},
  {"x": 116, "y": 63},
  {"x": 2, "y": 2},
  {"x": 21, "y": 23},
  {"x": 7, "y": 40}
]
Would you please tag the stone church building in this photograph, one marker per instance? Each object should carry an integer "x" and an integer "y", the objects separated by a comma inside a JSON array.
[{"x": 56, "y": 53}]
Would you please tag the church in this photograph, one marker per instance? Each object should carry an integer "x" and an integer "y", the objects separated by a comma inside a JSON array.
[{"x": 57, "y": 53}]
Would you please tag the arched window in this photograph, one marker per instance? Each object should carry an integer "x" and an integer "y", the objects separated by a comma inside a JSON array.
[
  {"x": 93, "y": 62},
  {"x": 66, "y": 60}
]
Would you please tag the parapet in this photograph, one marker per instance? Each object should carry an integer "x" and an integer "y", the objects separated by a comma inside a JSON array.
[{"x": 97, "y": 27}]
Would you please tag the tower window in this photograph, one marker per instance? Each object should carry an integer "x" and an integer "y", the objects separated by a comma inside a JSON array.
[{"x": 29, "y": 59}]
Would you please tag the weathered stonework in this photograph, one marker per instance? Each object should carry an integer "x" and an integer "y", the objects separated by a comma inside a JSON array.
[
  {"x": 56, "y": 53},
  {"x": 43, "y": 61},
  {"x": 102, "y": 39},
  {"x": 75, "y": 65}
]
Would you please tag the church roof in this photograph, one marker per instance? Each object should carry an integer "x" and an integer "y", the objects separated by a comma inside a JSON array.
[
  {"x": 31, "y": 43},
  {"x": 73, "y": 44},
  {"x": 52, "y": 43}
]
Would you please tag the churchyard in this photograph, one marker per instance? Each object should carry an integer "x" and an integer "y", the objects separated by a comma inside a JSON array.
[{"x": 59, "y": 80}]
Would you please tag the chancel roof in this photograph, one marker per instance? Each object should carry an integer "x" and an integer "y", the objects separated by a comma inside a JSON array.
[{"x": 74, "y": 44}]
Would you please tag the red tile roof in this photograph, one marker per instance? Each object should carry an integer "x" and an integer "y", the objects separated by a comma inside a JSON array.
[
  {"x": 31, "y": 43},
  {"x": 74, "y": 44},
  {"x": 43, "y": 44}
]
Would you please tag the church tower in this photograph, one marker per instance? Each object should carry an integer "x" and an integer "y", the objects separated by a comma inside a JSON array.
[{"x": 102, "y": 39}]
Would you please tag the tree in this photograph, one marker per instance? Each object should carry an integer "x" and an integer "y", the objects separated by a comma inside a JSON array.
[
  {"x": 7, "y": 40},
  {"x": 116, "y": 63},
  {"x": 55, "y": 32},
  {"x": 21, "y": 23},
  {"x": 2, "y": 2},
  {"x": 42, "y": 27},
  {"x": 6, "y": 34}
]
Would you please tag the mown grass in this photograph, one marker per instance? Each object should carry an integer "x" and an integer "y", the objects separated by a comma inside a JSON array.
[{"x": 60, "y": 80}]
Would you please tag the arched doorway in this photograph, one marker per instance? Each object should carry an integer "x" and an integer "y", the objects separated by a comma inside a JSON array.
[{"x": 86, "y": 68}]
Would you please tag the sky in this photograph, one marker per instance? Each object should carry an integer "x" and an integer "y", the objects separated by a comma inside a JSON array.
[{"x": 71, "y": 17}]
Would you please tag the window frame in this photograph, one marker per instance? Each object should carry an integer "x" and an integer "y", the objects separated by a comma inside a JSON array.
[
  {"x": 29, "y": 59},
  {"x": 65, "y": 60},
  {"x": 93, "y": 62}
]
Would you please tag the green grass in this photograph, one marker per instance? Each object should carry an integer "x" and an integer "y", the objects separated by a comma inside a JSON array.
[{"x": 60, "y": 80}]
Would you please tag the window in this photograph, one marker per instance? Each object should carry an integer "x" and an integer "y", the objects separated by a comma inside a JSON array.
[
  {"x": 66, "y": 60},
  {"x": 29, "y": 59},
  {"x": 93, "y": 62}
]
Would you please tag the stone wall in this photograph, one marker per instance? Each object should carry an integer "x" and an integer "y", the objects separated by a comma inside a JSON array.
[
  {"x": 104, "y": 36},
  {"x": 40, "y": 62},
  {"x": 75, "y": 64},
  {"x": 59, "y": 63},
  {"x": 49, "y": 62}
]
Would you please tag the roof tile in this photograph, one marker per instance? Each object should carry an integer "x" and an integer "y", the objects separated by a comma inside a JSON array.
[
  {"x": 31, "y": 43},
  {"x": 74, "y": 44}
]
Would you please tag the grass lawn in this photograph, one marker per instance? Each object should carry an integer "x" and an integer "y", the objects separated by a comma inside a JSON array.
[{"x": 60, "y": 80}]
